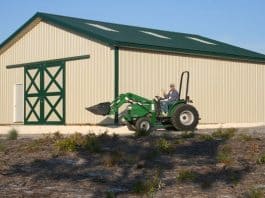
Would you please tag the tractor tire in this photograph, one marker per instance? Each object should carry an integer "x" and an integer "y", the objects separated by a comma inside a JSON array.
[
  {"x": 185, "y": 118},
  {"x": 143, "y": 125}
]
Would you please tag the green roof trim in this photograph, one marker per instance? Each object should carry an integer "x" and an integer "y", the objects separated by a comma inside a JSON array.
[{"x": 117, "y": 35}]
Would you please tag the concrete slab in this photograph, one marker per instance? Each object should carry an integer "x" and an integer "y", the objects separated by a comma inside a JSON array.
[{"x": 121, "y": 130}]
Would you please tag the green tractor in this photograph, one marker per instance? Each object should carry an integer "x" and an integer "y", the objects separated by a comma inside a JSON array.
[{"x": 143, "y": 114}]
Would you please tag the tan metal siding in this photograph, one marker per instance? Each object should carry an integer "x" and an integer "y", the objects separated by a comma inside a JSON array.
[
  {"x": 223, "y": 91},
  {"x": 87, "y": 81}
]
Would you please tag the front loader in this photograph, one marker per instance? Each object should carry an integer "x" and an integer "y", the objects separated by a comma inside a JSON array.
[{"x": 143, "y": 114}]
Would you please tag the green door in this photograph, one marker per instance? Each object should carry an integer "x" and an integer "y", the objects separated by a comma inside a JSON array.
[{"x": 44, "y": 93}]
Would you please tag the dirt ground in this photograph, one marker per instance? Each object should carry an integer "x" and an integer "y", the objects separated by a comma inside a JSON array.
[{"x": 212, "y": 163}]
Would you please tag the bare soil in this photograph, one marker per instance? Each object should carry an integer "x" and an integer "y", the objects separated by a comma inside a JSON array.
[{"x": 128, "y": 166}]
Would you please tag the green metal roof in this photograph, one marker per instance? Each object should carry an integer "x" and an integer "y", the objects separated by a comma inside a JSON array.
[{"x": 146, "y": 38}]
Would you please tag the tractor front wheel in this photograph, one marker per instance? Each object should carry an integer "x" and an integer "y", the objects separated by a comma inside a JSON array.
[
  {"x": 185, "y": 118},
  {"x": 143, "y": 125}
]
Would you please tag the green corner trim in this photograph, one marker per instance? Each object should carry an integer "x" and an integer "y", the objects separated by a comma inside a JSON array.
[{"x": 116, "y": 79}]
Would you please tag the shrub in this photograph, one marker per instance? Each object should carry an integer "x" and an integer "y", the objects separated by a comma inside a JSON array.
[
  {"x": 92, "y": 143},
  {"x": 187, "y": 135},
  {"x": 224, "y": 155},
  {"x": 224, "y": 134},
  {"x": 206, "y": 137},
  {"x": 186, "y": 175},
  {"x": 110, "y": 194},
  {"x": 12, "y": 134},
  {"x": 149, "y": 187},
  {"x": 164, "y": 146},
  {"x": 66, "y": 144},
  {"x": 261, "y": 159}
]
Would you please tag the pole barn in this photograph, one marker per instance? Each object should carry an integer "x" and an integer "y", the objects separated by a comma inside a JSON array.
[{"x": 54, "y": 66}]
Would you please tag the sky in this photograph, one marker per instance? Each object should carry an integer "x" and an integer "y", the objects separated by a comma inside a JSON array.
[{"x": 238, "y": 22}]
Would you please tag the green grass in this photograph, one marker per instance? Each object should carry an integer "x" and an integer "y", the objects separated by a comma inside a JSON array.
[
  {"x": 225, "y": 155},
  {"x": 12, "y": 134},
  {"x": 186, "y": 175},
  {"x": 261, "y": 159},
  {"x": 224, "y": 134},
  {"x": 164, "y": 146}
]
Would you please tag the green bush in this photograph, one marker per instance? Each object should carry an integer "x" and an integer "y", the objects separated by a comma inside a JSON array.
[
  {"x": 224, "y": 134},
  {"x": 12, "y": 134},
  {"x": 261, "y": 159},
  {"x": 186, "y": 175},
  {"x": 164, "y": 146}
]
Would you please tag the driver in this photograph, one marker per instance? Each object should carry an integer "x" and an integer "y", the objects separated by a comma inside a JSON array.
[{"x": 169, "y": 98}]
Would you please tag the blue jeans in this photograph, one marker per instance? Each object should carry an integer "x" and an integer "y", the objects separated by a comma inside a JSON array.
[{"x": 165, "y": 104}]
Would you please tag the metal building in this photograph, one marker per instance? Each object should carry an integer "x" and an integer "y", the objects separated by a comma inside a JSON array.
[{"x": 55, "y": 66}]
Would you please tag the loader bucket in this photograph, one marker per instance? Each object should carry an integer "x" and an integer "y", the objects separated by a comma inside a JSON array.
[{"x": 100, "y": 109}]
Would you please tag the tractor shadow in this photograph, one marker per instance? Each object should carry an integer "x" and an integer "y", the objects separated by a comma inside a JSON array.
[{"x": 123, "y": 161}]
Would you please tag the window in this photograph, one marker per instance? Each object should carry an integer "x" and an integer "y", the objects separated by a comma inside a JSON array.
[
  {"x": 155, "y": 34},
  {"x": 102, "y": 27},
  {"x": 200, "y": 40}
]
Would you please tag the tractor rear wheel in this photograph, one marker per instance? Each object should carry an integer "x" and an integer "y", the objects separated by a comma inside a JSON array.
[
  {"x": 185, "y": 117},
  {"x": 143, "y": 125}
]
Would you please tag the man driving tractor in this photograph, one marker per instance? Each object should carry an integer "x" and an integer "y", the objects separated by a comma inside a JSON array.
[{"x": 169, "y": 98}]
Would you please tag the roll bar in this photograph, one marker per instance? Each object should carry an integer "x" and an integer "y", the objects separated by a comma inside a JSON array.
[{"x": 187, "y": 73}]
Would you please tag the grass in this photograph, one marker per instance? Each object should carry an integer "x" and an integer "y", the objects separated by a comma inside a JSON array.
[
  {"x": 186, "y": 175},
  {"x": 224, "y": 155},
  {"x": 261, "y": 159},
  {"x": 12, "y": 134},
  {"x": 2, "y": 148},
  {"x": 78, "y": 141},
  {"x": 206, "y": 137},
  {"x": 255, "y": 193},
  {"x": 149, "y": 186},
  {"x": 246, "y": 137},
  {"x": 224, "y": 134},
  {"x": 187, "y": 135},
  {"x": 164, "y": 146}
]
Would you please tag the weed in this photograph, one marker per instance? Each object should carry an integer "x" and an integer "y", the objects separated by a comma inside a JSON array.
[
  {"x": 115, "y": 136},
  {"x": 246, "y": 137},
  {"x": 261, "y": 159},
  {"x": 141, "y": 133},
  {"x": 255, "y": 193},
  {"x": 187, "y": 135},
  {"x": 150, "y": 186},
  {"x": 77, "y": 141},
  {"x": 164, "y": 146},
  {"x": 112, "y": 158},
  {"x": 110, "y": 194},
  {"x": 12, "y": 134},
  {"x": 224, "y": 155},
  {"x": 57, "y": 135},
  {"x": 2, "y": 148},
  {"x": 186, "y": 175},
  {"x": 224, "y": 134},
  {"x": 206, "y": 137}
]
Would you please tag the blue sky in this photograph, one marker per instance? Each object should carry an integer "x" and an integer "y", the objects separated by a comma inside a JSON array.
[{"x": 239, "y": 22}]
